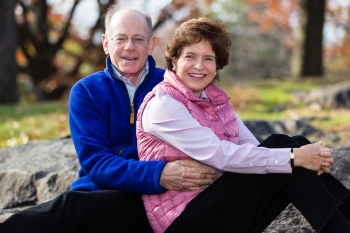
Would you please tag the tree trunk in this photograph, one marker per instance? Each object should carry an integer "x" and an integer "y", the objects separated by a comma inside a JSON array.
[
  {"x": 8, "y": 44},
  {"x": 308, "y": 55}
]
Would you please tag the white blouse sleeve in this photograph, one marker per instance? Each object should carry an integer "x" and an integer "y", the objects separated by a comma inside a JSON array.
[{"x": 170, "y": 121}]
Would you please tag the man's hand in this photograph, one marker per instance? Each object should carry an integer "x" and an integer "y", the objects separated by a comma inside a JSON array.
[{"x": 187, "y": 175}]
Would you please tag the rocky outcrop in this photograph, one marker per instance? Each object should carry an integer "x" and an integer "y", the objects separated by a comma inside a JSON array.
[
  {"x": 333, "y": 96},
  {"x": 263, "y": 129},
  {"x": 40, "y": 170},
  {"x": 36, "y": 172}
]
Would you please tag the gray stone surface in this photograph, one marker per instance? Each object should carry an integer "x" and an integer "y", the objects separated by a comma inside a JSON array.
[
  {"x": 17, "y": 188},
  {"x": 36, "y": 172},
  {"x": 262, "y": 129},
  {"x": 341, "y": 167},
  {"x": 333, "y": 96}
]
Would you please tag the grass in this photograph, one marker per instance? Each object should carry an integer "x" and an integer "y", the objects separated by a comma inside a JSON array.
[
  {"x": 267, "y": 100},
  {"x": 22, "y": 123}
]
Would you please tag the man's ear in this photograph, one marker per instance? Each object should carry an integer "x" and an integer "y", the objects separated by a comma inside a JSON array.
[
  {"x": 152, "y": 44},
  {"x": 105, "y": 44}
]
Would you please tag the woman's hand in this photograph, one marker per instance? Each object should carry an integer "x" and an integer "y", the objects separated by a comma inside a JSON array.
[{"x": 314, "y": 157}]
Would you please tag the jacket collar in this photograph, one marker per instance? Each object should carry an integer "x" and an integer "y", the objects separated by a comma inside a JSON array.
[{"x": 109, "y": 67}]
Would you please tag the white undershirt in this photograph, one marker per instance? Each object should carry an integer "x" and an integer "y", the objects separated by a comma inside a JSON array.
[{"x": 129, "y": 86}]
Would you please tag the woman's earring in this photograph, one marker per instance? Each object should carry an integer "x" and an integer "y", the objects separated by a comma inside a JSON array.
[{"x": 174, "y": 68}]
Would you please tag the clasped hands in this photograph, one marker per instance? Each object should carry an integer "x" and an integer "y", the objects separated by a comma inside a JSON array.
[{"x": 314, "y": 157}]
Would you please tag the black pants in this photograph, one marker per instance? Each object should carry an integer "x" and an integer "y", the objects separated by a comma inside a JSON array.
[
  {"x": 250, "y": 202},
  {"x": 99, "y": 211}
]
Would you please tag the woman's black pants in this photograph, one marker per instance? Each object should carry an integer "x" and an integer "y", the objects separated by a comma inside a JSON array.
[{"x": 250, "y": 202}]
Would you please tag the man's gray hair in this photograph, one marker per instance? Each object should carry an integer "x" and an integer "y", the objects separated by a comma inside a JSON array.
[{"x": 112, "y": 9}]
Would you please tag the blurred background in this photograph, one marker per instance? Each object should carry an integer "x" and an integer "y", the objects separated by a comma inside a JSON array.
[{"x": 281, "y": 49}]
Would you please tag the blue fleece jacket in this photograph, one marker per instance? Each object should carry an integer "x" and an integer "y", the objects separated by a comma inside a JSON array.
[{"x": 104, "y": 139}]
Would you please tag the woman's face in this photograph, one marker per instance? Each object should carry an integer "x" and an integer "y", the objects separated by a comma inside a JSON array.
[{"x": 196, "y": 66}]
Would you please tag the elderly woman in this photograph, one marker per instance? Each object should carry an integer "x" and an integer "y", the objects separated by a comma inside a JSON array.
[{"x": 186, "y": 115}]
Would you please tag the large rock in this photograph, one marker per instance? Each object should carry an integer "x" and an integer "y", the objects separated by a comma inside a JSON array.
[
  {"x": 36, "y": 172},
  {"x": 341, "y": 168},
  {"x": 262, "y": 129},
  {"x": 17, "y": 188},
  {"x": 334, "y": 96}
]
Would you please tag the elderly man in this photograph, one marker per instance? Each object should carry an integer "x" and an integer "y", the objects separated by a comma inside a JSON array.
[{"x": 102, "y": 110}]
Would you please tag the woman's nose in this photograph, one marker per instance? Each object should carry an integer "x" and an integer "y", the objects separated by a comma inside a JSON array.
[{"x": 199, "y": 64}]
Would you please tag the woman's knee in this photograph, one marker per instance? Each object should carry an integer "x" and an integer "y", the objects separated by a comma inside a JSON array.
[
  {"x": 301, "y": 140},
  {"x": 279, "y": 141}
]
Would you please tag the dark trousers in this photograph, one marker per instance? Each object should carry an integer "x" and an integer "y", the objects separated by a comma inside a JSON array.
[
  {"x": 250, "y": 202},
  {"x": 99, "y": 211}
]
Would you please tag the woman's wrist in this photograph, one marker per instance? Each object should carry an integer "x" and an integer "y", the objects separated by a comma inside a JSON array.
[
  {"x": 292, "y": 156},
  {"x": 298, "y": 158}
]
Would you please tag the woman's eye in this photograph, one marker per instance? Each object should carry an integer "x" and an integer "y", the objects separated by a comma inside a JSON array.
[{"x": 209, "y": 59}]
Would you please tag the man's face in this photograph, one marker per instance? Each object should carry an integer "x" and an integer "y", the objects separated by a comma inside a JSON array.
[{"x": 128, "y": 59}]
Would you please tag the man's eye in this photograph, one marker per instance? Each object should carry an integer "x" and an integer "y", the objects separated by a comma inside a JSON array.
[
  {"x": 138, "y": 39},
  {"x": 120, "y": 39}
]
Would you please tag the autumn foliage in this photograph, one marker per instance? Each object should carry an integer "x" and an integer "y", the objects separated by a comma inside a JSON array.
[
  {"x": 272, "y": 14},
  {"x": 54, "y": 56}
]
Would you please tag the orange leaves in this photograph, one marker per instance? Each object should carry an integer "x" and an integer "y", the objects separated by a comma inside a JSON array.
[
  {"x": 343, "y": 50},
  {"x": 274, "y": 15},
  {"x": 338, "y": 54},
  {"x": 20, "y": 58}
]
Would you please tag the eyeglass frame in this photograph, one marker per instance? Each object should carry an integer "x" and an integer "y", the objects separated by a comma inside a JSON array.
[{"x": 128, "y": 39}]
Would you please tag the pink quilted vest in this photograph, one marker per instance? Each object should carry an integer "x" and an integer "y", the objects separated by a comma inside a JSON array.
[{"x": 218, "y": 115}]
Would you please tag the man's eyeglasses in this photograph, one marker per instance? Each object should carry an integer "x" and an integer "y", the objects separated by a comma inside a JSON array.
[{"x": 138, "y": 41}]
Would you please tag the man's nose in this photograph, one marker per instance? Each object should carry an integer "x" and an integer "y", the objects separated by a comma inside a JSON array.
[{"x": 129, "y": 44}]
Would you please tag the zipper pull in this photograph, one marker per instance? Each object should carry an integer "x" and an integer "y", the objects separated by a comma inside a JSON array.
[{"x": 132, "y": 114}]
